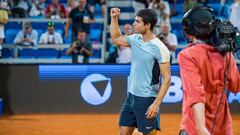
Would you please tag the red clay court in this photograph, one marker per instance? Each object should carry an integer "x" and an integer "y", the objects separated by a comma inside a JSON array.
[{"x": 79, "y": 124}]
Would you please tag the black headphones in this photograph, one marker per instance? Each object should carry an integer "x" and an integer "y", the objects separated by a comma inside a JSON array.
[{"x": 187, "y": 22}]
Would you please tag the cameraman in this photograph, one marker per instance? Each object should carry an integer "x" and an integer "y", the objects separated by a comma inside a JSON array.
[
  {"x": 205, "y": 74},
  {"x": 80, "y": 49},
  {"x": 169, "y": 39}
]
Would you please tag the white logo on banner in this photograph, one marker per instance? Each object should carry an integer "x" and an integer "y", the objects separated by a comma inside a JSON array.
[{"x": 96, "y": 89}]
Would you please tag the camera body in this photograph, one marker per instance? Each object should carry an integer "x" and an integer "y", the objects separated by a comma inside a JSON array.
[
  {"x": 161, "y": 36},
  {"x": 79, "y": 45},
  {"x": 225, "y": 37},
  {"x": 202, "y": 23}
]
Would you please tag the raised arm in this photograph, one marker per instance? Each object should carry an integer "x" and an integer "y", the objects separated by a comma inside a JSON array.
[
  {"x": 116, "y": 36},
  {"x": 66, "y": 28}
]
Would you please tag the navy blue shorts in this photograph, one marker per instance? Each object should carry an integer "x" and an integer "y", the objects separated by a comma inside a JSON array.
[{"x": 133, "y": 114}]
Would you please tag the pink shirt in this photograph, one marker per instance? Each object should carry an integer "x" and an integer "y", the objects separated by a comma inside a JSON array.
[{"x": 202, "y": 73}]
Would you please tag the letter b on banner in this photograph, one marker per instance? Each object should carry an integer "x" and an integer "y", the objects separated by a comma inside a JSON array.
[{"x": 174, "y": 93}]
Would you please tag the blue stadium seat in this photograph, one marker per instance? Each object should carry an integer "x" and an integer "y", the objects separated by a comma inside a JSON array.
[
  {"x": 96, "y": 26},
  {"x": 96, "y": 54},
  {"x": 180, "y": 37},
  {"x": 95, "y": 35},
  {"x": 60, "y": 1},
  {"x": 226, "y": 11},
  {"x": 59, "y": 31},
  {"x": 38, "y": 53},
  {"x": 40, "y": 32},
  {"x": 180, "y": 9},
  {"x": 176, "y": 25},
  {"x": 44, "y": 25},
  {"x": 217, "y": 8},
  {"x": 177, "y": 51},
  {"x": 69, "y": 39},
  {"x": 39, "y": 25},
  {"x": 62, "y": 54},
  {"x": 97, "y": 9},
  {"x": 47, "y": 53},
  {"x": 27, "y": 53},
  {"x": 13, "y": 25},
  {"x": 7, "y": 53},
  {"x": 59, "y": 25},
  {"x": 10, "y": 35}
]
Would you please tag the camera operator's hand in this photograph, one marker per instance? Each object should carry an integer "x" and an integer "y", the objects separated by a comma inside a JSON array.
[
  {"x": 164, "y": 40},
  {"x": 74, "y": 45},
  {"x": 83, "y": 49}
]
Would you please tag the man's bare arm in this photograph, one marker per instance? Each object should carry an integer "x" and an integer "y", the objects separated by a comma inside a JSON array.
[{"x": 116, "y": 36}]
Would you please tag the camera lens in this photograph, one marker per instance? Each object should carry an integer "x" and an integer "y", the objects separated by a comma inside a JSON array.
[{"x": 161, "y": 37}]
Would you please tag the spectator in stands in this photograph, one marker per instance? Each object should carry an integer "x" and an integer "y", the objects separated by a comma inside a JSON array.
[
  {"x": 4, "y": 4},
  {"x": 3, "y": 21},
  {"x": 20, "y": 8},
  {"x": 56, "y": 10},
  {"x": 27, "y": 36},
  {"x": 124, "y": 53},
  {"x": 169, "y": 39},
  {"x": 71, "y": 4},
  {"x": 235, "y": 14},
  {"x": 163, "y": 11},
  {"x": 102, "y": 3},
  {"x": 81, "y": 49},
  {"x": 51, "y": 37},
  {"x": 38, "y": 8},
  {"x": 80, "y": 17},
  {"x": 173, "y": 4}
]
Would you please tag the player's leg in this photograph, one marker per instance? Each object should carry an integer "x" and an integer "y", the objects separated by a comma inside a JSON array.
[
  {"x": 127, "y": 119},
  {"x": 125, "y": 130},
  {"x": 145, "y": 125}
]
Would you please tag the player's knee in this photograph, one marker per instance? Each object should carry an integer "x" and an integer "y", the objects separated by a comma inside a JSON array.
[{"x": 125, "y": 130}]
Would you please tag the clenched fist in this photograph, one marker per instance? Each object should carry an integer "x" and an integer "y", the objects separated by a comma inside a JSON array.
[{"x": 115, "y": 12}]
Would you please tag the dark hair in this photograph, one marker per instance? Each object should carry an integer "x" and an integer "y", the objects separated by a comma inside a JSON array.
[
  {"x": 81, "y": 31},
  {"x": 199, "y": 22},
  {"x": 148, "y": 16}
]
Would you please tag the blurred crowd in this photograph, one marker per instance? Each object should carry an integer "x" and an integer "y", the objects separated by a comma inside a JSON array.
[
  {"x": 79, "y": 14},
  {"x": 54, "y": 9}
]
